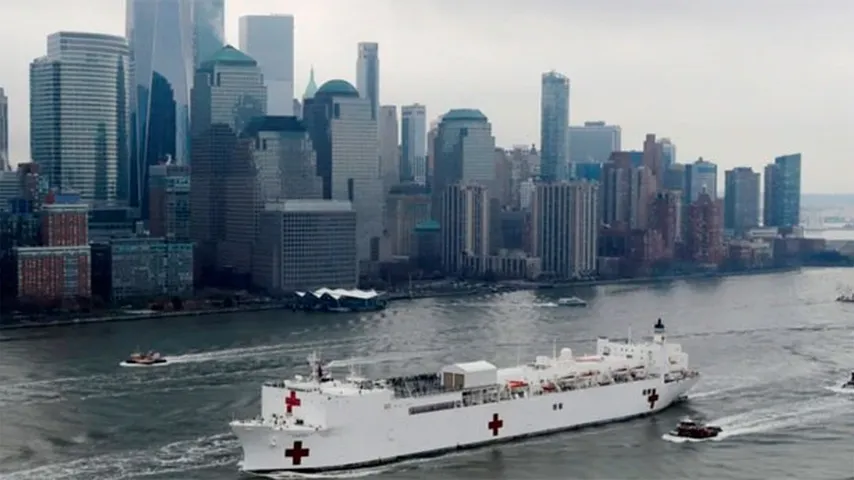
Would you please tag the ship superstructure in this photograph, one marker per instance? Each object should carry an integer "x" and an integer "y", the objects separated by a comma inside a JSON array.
[{"x": 320, "y": 423}]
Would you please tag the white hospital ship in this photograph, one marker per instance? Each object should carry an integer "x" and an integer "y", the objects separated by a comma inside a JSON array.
[{"x": 320, "y": 423}]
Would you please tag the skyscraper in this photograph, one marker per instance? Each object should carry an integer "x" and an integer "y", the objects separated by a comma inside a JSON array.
[
  {"x": 741, "y": 199},
  {"x": 783, "y": 192},
  {"x": 389, "y": 147},
  {"x": 368, "y": 74},
  {"x": 565, "y": 218},
  {"x": 413, "y": 143},
  {"x": 593, "y": 142},
  {"x": 228, "y": 93},
  {"x": 208, "y": 29},
  {"x": 269, "y": 39},
  {"x": 465, "y": 224},
  {"x": 160, "y": 34},
  {"x": 344, "y": 133},
  {"x": 554, "y": 127},
  {"x": 700, "y": 176},
  {"x": 85, "y": 148},
  {"x": 464, "y": 150},
  {"x": 668, "y": 152},
  {"x": 4, "y": 132}
]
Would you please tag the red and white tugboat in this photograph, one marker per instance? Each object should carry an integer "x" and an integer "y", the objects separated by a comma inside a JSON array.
[
  {"x": 149, "y": 359},
  {"x": 688, "y": 428}
]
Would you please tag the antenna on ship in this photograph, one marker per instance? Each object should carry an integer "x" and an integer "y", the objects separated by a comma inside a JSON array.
[
  {"x": 554, "y": 349},
  {"x": 629, "y": 339}
]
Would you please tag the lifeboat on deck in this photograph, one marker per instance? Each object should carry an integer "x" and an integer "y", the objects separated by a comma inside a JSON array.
[{"x": 516, "y": 384}]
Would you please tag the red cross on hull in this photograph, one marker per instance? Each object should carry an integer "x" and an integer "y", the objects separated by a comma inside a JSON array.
[
  {"x": 297, "y": 453},
  {"x": 292, "y": 401},
  {"x": 495, "y": 424},
  {"x": 652, "y": 398}
]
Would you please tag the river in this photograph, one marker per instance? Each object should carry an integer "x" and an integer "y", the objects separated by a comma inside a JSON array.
[{"x": 769, "y": 347}]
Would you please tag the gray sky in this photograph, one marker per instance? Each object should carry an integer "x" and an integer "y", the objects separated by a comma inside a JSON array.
[{"x": 733, "y": 81}]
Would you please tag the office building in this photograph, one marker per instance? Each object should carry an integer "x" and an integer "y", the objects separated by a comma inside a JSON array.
[
  {"x": 565, "y": 217},
  {"x": 169, "y": 197},
  {"x": 593, "y": 143},
  {"x": 653, "y": 160},
  {"x": 701, "y": 176},
  {"x": 741, "y": 200},
  {"x": 407, "y": 205},
  {"x": 783, "y": 192},
  {"x": 554, "y": 127},
  {"x": 269, "y": 39},
  {"x": 228, "y": 93},
  {"x": 208, "y": 29},
  {"x": 668, "y": 153},
  {"x": 389, "y": 147},
  {"x": 83, "y": 149},
  {"x": 464, "y": 150},
  {"x": 704, "y": 235},
  {"x": 465, "y": 224},
  {"x": 344, "y": 134},
  {"x": 5, "y": 161},
  {"x": 278, "y": 164},
  {"x": 368, "y": 75},
  {"x": 305, "y": 245},
  {"x": 413, "y": 143},
  {"x": 141, "y": 268},
  {"x": 160, "y": 34}
]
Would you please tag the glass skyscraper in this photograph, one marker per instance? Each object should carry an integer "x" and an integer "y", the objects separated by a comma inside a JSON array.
[
  {"x": 368, "y": 75},
  {"x": 168, "y": 39},
  {"x": 79, "y": 115},
  {"x": 554, "y": 127}
]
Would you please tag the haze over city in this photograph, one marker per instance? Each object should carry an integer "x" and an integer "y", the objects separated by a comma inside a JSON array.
[{"x": 737, "y": 83}]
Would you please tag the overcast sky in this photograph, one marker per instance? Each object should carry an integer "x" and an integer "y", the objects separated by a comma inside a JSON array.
[{"x": 734, "y": 81}]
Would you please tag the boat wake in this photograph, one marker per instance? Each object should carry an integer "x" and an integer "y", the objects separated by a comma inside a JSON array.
[
  {"x": 127, "y": 364},
  {"x": 840, "y": 389},
  {"x": 170, "y": 460},
  {"x": 773, "y": 418}
]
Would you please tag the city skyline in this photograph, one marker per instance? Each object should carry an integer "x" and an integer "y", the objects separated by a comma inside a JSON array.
[{"x": 751, "y": 129}]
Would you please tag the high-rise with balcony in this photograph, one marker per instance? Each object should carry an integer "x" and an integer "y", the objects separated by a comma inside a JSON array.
[
  {"x": 208, "y": 29},
  {"x": 269, "y": 39},
  {"x": 413, "y": 143},
  {"x": 79, "y": 115},
  {"x": 554, "y": 127},
  {"x": 368, "y": 75},
  {"x": 741, "y": 199},
  {"x": 465, "y": 225},
  {"x": 5, "y": 163},
  {"x": 565, "y": 217},
  {"x": 593, "y": 142},
  {"x": 160, "y": 34},
  {"x": 783, "y": 192}
]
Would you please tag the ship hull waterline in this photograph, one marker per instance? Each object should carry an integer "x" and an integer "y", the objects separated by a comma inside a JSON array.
[{"x": 266, "y": 450}]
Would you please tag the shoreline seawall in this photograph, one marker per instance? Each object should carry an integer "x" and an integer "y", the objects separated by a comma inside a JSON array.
[{"x": 502, "y": 288}]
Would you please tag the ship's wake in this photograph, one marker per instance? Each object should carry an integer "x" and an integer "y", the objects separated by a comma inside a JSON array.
[
  {"x": 774, "y": 418},
  {"x": 840, "y": 389},
  {"x": 169, "y": 460}
]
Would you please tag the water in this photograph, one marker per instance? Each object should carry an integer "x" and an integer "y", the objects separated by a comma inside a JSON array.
[{"x": 771, "y": 349}]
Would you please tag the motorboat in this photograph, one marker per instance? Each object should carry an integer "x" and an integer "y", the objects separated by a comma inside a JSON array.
[
  {"x": 571, "y": 302},
  {"x": 846, "y": 298},
  {"x": 849, "y": 383},
  {"x": 688, "y": 428},
  {"x": 145, "y": 359}
]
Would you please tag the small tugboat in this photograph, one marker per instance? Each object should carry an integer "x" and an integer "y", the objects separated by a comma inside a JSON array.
[
  {"x": 688, "y": 428},
  {"x": 144, "y": 359},
  {"x": 846, "y": 298},
  {"x": 571, "y": 302}
]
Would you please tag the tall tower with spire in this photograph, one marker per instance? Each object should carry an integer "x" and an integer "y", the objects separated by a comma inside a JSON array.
[{"x": 311, "y": 88}]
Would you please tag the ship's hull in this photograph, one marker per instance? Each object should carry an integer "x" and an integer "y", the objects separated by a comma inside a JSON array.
[{"x": 394, "y": 436}]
